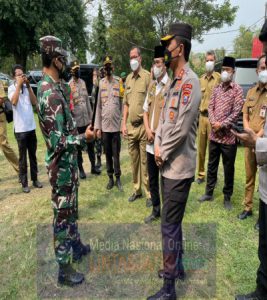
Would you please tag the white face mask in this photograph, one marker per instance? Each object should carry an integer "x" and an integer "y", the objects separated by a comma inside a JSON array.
[
  {"x": 157, "y": 71},
  {"x": 209, "y": 66},
  {"x": 134, "y": 63},
  {"x": 225, "y": 76},
  {"x": 263, "y": 76}
]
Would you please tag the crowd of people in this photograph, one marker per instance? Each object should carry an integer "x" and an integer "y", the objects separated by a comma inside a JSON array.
[{"x": 160, "y": 114}]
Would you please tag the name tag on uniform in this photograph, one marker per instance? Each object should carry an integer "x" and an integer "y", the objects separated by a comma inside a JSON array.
[{"x": 263, "y": 111}]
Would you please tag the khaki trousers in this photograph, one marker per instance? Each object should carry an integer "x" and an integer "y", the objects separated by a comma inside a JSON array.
[
  {"x": 4, "y": 145},
  {"x": 204, "y": 129},
  {"x": 251, "y": 170},
  {"x": 137, "y": 149}
]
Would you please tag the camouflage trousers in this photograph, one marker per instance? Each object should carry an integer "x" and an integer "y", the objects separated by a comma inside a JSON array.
[{"x": 66, "y": 234}]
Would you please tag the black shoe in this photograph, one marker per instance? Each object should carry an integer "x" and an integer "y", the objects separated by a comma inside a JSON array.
[
  {"x": 95, "y": 171},
  {"x": 149, "y": 202},
  {"x": 118, "y": 184},
  {"x": 167, "y": 292},
  {"x": 37, "y": 184},
  {"x": 227, "y": 203},
  {"x": 82, "y": 173},
  {"x": 134, "y": 197},
  {"x": 200, "y": 180},
  {"x": 245, "y": 214},
  {"x": 251, "y": 296},
  {"x": 68, "y": 276},
  {"x": 152, "y": 218},
  {"x": 26, "y": 189},
  {"x": 180, "y": 274},
  {"x": 110, "y": 183},
  {"x": 257, "y": 226},
  {"x": 98, "y": 162},
  {"x": 205, "y": 198},
  {"x": 79, "y": 251}
]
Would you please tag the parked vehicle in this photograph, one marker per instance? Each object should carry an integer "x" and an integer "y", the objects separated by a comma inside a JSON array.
[{"x": 6, "y": 79}]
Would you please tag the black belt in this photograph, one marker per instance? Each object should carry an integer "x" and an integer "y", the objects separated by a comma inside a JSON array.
[
  {"x": 204, "y": 113},
  {"x": 137, "y": 123}
]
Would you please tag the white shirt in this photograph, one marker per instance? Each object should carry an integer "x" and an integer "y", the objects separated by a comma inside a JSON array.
[
  {"x": 22, "y": 113},
  {"x": 159, "y": 86}
]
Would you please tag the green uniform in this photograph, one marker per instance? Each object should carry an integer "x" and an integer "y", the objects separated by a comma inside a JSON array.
[{"x": 61, "y": 137}]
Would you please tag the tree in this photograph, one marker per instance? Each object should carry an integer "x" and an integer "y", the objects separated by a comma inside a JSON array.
[
  {"x": 22, "y": 23},
  {"x": 136, "y": 22},
  {"x": 243, "y": 42},
  {"x": 98, "y": 44}
]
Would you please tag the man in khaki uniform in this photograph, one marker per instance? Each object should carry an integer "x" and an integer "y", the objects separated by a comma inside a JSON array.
[
  {"x": 108, "y": 122},
  {"x": 207, "y": 82},
  {"x": 152, "y": 109},
  {"x": 136, "y": 87},
  {"x": 4, "y": 145},
  {"x": 83, "y": 115},
  {"x": 254, "y": 116}
]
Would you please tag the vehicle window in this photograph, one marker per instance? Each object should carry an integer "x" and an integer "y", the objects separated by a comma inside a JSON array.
[{"x": 245, "y": 76}]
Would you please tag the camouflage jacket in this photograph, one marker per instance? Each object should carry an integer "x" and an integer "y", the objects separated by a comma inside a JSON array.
[{"x": 59, "y": 131}]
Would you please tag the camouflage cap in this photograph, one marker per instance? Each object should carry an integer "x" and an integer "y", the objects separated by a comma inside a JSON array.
[
  {"x": 74, "y": 64},
  {"x": 51, "y": 45}
]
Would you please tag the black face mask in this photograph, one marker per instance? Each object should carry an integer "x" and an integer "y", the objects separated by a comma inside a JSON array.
[
  {"x": 168, "y": 56},
  {"x": 77, "y": 73},
  {"x": 108, "y": 71}
]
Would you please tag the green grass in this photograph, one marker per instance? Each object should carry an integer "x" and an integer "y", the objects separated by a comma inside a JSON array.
[{"x": 236, "y": 241}]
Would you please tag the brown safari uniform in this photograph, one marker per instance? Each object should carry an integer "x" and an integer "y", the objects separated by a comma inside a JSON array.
[
  {"x": 134, "y": 97},
  {"x": 207, "y": 84},
  {"x": 256, "y": 108},
  {"x": 4, "y": 145}
]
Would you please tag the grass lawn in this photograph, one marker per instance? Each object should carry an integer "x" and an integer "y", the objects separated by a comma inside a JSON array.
[{"x": 235, "y": 250}]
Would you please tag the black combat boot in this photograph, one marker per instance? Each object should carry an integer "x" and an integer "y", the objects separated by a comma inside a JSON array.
[
  {"x": 110, "y": 183},
  {"x": 118, "y": 184},
  {"x": 95, "y": 170},
  {"x": 155, "y": 215},
  {"x": 167, "y": 292},
  {"x": 79, "y": 250},
  {"x": 68, "y": 276},
  {"x": 98, "y": 162},
  {"x": 81, "y": 172}
]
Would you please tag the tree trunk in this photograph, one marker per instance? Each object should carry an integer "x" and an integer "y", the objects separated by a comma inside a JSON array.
[{"x": 21, "y": 58}]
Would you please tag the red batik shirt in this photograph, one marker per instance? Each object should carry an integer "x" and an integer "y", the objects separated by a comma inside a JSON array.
[{"x": 224, "y": 107}]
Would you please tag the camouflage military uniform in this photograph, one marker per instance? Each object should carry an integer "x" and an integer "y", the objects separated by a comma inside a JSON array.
[{"x": 61, "y": 137}]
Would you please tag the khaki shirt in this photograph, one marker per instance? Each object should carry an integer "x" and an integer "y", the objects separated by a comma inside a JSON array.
[
  {"x": 82, "y": 109},
  {"x": 109, "y": 106},
  {"x": 176, "y": 132},
  {"x": 135, "y": 94},
  {"x": 207, "y": 85},
  {"x": 256, "y": 106}
]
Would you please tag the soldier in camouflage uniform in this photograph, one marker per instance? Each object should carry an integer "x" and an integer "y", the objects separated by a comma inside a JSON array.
[{"x": 61, "y": 137}]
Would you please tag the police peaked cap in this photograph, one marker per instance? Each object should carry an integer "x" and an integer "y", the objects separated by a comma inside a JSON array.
[
  {"x": 263, "y": 33},
  {"x": 107, "y": 60},
  {"x": 75, "y": 64},
  {"x": 182, "y": 30}
]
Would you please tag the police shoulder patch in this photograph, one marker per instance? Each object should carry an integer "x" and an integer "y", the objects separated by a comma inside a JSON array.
[{"x": 186, "y": 93}]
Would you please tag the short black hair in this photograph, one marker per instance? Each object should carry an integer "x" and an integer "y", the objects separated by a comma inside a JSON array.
[
  {"x": 16, "y": 67},
  {"x": 260, "y": 58},
  {"x": 47, "y": 58},
  {"x": 187, "y": 46}
]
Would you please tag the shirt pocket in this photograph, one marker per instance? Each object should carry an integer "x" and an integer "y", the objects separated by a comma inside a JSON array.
[{"x": 172, "y": 112}]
